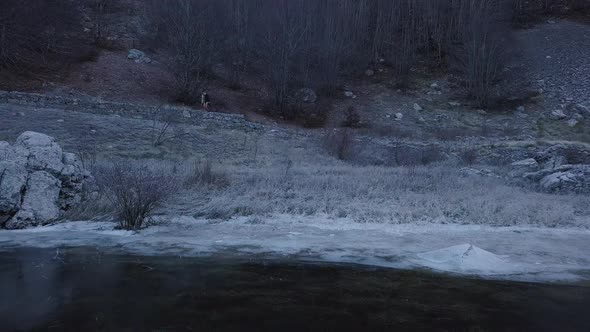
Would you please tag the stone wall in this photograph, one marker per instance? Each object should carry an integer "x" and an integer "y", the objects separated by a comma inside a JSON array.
[{"x": 137, "y": 111}]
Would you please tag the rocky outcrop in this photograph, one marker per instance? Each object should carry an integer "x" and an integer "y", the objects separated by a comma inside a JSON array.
[
  {"x": 554, "y": 170},
  {"x": 38, "y": 181},
  {"x": 563, "y": 179},
  {"x": 519, "y": 168}
]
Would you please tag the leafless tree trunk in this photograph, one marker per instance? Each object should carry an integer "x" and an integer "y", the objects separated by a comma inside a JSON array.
[{"x": 189, "y": 28}]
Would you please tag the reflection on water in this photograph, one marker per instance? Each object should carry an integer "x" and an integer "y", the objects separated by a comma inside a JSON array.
[{"x": 86, "y": 290}]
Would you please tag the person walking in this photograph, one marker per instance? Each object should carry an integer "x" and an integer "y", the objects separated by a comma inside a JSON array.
[{"x": 205, "y": 100}]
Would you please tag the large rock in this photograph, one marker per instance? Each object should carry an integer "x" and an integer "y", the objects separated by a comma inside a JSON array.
[
  {"x": 307, "y": 95},
  {"x": 558, "y": 181},
  {"x": 563, "y": 179},
  {"x": 39, "y": 202},
  {"x": 558, "y": 115},
  {"x": 42, "y": 152},
  {"x": 38, "y": 181},
  {"x": 525, "y": 166},
  {"x": 522, "y": 167},
  {"x": 138, "y": 56},
  {"x": 13, "y": 178}
]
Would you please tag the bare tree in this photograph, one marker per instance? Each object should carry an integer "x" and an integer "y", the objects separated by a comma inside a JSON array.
[
  {"x": 282, "y": 39},
  {"x": 482, "y": 51},
  {"x": 165, "y": 127},
  {"x": 33, "y": 33},
  {"x": 136, "y": 190},
  {"x": 316, "y": 43},
  {"x": 189, "y": 28}
]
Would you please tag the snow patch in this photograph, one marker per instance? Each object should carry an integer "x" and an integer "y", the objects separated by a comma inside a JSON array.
[{"x": 467, "y": 258}]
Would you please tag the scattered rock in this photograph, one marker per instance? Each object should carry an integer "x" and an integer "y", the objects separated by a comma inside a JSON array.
[
  {"x": 581, "y": 109},
  {"x": 482, "y": 112},
  {"x": 572, "y": 122},
  {"x": 554, "y": 162},
  {"x": 521, "y": 109},
  {"x": 469, "y": 171},
  {"x": 370, "y": 72},
  {"x": 417, "y": 107},
  {"x": 558, "y": 115},
  {"x": 454, "y": 104},
  {"x": 307, "y": 95},
  {"x": 349, "y": 94},
  {"x": 399, "y": 116},
  {"x": 38, "y": 181},
  {"x": 138, "y": 56},
  {"x": 186, "y": 114}
]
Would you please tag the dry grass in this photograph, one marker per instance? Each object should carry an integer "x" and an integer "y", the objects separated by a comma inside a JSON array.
[
  {"x": 431, "y": 194},
  {"x": 267, "y": 174}
]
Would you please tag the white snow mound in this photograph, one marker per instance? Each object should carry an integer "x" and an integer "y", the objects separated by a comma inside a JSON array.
[{"x": 467, "y": 258}]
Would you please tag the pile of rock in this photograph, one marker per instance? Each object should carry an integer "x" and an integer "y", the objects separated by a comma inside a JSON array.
[
  {"x": 38, "y": 181},
  {"x": 575, "y": 114},
  {"x": 554, "y": 176}
]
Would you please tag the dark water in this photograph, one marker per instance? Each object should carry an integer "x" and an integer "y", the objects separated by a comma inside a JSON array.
[{"x": 86, "y": 290}]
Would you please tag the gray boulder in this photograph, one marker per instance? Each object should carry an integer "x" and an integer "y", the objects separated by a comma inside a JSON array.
[
  {"x": 38, "y": 181},
  {"x": 572, "y": 122},
  {"x": 42, "y": 152},
  {"x": 349, "y": 94},
  {"x": 13, "y": 178},
  {"x": 138, "y": 56},
  {"x": 555, "y": 181},
  {"x": 558, "y": 115},
  {"x": 307, "y": 95},
  {"x": 554, "y": 162},
  {"x": 39, "y": 202},
  {"x": 522, "y": 167},
  {"x": 563, "y": 179}
]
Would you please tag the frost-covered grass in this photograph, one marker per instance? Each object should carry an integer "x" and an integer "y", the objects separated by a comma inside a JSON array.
[
  {"x": 437, "y": 193},
  {"x": 271, "y": 173},
  {"x": 425, "y": 194}
]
